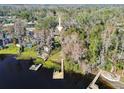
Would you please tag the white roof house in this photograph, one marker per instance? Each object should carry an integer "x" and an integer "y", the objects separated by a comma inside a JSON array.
[
  {"x": 30, "y": 26},
  {"x": 10, "y": 24}
]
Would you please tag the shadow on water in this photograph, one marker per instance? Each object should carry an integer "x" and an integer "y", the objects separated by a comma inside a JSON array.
[
  {"x": 15, "y": 74},
  {"x": 3, "y": 56}
]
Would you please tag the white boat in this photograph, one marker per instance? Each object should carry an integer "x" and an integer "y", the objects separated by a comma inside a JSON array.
[
  {"x": 35, "y": 67},
  {"x": 110, "y": 76}
]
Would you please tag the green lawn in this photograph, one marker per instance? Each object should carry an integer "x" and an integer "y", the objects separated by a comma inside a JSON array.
[
  {"x": 27, "y": 54},
  {"x": 11, "y": 50},
  {"x": 72, "y": 67},
  {"x": 55, "y": 57},
  {"x": 50, "y": 63}
]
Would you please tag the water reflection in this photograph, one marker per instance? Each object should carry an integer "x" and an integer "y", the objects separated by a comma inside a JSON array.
[
  {"x": 2, "y": 57},
  {"x": 9, "y": 67},
  {"x": 18, "y": 67}
]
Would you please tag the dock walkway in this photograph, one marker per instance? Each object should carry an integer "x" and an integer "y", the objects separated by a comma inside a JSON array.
[{"x": 92, "y": 85}]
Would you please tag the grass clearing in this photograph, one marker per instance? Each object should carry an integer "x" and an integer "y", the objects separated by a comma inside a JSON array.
[
  {"x": 27, "y": 54},
  {"x": 72, "y": 67},
  {"x": 55, "y": 57},
  {"x": 51, "y": 63},
  {"x": 10, "y": 50}
]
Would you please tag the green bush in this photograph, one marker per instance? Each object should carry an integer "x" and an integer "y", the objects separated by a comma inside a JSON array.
[
  {"x": 107, "y": 66},
  {"x": 71, "y": 66}
]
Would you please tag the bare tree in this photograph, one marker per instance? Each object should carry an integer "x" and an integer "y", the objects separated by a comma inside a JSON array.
[
  {"x": 72, "y": 47},
  {"x": 19, "y": 30}
]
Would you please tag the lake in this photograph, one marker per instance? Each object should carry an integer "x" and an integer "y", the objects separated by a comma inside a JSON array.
[{"x": 15, "y": 74}]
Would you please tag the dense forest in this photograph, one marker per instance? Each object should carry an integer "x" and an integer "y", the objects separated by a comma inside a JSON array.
[{"x": 92, "y": 36}]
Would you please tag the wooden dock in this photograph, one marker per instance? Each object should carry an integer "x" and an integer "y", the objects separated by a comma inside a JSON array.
[
  {"x": 57, "y": 74},
  {"x": 92, "y": 85},
  {"x": 35, "y": 67}
]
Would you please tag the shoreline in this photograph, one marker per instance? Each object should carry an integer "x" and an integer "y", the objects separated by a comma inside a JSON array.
[{"x": 113, "y": 85}]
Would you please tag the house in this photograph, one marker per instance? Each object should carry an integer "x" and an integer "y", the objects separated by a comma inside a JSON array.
[
  {"x": 46, "y": 49},
  {"x": 30, "y": 26},
  {"x": 8, "y": 25}
]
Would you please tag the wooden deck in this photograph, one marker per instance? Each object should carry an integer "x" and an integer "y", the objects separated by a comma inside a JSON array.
[
  {"x": 58, "y": 75},
  {"x": 92, "y": 85}
]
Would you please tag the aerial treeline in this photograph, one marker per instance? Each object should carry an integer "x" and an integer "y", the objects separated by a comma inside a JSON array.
[{"x": 91, "y": 36}]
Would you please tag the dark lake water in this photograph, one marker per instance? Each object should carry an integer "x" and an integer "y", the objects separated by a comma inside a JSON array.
[{"x": 15, "y": 74}]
